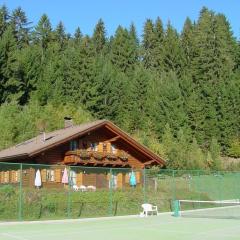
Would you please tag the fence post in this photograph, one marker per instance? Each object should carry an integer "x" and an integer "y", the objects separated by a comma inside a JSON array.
[
  {"x": 144, "y": 185},
  {"x": 220, "y": 185},
  {"x": 199, "y": 186},
  {"x": 176, "y": 208},
  {"x": 173, "y": 186},
  {"x": 20, "y": 205},
  {"x": 110, "y": 193},
  {"x": 69, "y": 195}
]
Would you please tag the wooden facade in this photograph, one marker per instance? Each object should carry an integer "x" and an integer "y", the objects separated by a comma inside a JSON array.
[{"x": 101, "y": 147}]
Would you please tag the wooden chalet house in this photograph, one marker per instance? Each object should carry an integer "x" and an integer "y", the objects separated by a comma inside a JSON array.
[{"x": 99, "y": 144}]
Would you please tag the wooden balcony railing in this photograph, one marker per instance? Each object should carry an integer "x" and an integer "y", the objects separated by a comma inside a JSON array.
[{"x": 98, "y": 156}]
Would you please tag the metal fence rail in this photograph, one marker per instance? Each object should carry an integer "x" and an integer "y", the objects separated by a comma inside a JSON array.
[{"x": 96, "y": 192}]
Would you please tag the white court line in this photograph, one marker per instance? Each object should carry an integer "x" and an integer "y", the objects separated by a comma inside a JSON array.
[
  {"x": 13, "y": 236},
  {"x": 78, "y": 220}
]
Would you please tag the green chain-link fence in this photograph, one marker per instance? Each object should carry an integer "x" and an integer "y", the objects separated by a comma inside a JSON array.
[{"x": 97, "y": 192}]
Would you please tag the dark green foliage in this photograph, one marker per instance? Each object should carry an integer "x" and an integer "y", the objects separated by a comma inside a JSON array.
[
  {"x": 8, "y": 80},
  {"x": 234, "y": 148},
  {"x": 179, "y": 94},
  {"x": 123, "y": 50},
  {"x": 99, "y": 38},
  {"x": 4, "y": 19},
  {"x": 21, "y": 27},
  {"x": 60, "y": 35},
  {"x": 173, "y": 56},
  {"x": 43, "y": 33},
  {"x": 77, "y": 36}
]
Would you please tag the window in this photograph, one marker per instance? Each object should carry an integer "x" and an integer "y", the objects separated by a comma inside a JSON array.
[
  {"x": 94, "y": 146},
  {"x": 73, "y": 145},
  {"x": 113, "y": 148},
  {"x": 50, "y": 175}
]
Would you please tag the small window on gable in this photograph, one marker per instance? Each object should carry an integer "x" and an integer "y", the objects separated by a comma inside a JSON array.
[{"x": 73, "y": 145}]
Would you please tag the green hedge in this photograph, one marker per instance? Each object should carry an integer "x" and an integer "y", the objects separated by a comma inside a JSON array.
[{"x": 60, "y": 204}]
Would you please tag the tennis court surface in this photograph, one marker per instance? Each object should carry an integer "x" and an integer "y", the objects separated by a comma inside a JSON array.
[{"x": 153, "y": 227}]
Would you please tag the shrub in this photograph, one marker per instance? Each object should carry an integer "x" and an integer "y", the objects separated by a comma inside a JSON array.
[{"x": 7, "y": 191}]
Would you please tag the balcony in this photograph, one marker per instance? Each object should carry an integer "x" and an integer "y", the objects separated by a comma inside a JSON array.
[{"x": 86, "y": 157}]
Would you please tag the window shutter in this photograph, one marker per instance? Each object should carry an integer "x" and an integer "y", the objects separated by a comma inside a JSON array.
[
  {"x": 58, "y": 175},
  {"x": 127, "y": 177},
  {"x": 79, "y": 179},
  {"x": 18, "y": 174},
  {"x": 7, "y": 173},
  {"x": 12, "y": 176},
  {"x": 44, "y": 175},
  {"x": 2, "y": 177},
  {"x": 109, "y": 147},
  {"x": 120, "y": 180},
  {"x": 138, "y": 177},
  {"x": 100, "y": 147}
]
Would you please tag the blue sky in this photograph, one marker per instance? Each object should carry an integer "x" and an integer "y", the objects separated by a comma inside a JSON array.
[{"x": 85, "y": 14}]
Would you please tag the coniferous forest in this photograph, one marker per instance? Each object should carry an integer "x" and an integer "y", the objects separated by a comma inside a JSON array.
[{"x": 176, "y": 92}]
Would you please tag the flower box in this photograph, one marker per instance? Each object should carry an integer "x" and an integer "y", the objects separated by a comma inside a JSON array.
[
  {"x": 123, "y": 156},
  {"x": 111, "y": 156},
  {"x": 84, "y": 154},
  {"x": 98, "y": 155}
]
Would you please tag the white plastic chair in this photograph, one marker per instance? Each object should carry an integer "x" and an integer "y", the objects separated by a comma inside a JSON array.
[
  {"x": 148, "y": 208},
  {"x": 91, "y": 188},
  {"x": 82, "y": 188},
  {"x": 75, "y": 188}
]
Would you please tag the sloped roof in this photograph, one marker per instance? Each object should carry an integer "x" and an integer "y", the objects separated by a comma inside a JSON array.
[{"x": 37, "y": 145}]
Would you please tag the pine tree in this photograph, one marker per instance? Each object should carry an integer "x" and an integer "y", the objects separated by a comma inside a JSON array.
[
  {"x": 99, "y": 36},
  {"x": 133, "y": 34},
  {"x": 43, "y": 33},
  {"x": 28, "y": 71},
  {"x": 108, "y": 87},
  {"x": 137, "y": 99},
  {"x": 169, "y": 103},
  {"x": 78, "y": 36},
  {"x": 4, "y": 19},
  {"x": 123, "y": 50},
  {"x": 182, "y": 150},
  {"x": 212, "y": 63},
  {"x": 21, "y": 27},
  {"x": 60, "y": 35},
  {"x": 153, "y": 35},
  {"x": 173, "y": 59},
  {"x": 196, "y": 156},
  {"x": 187, "y": 42},
  {"x": 168, "y": 142},
  {"x": 9, "y": 82},
  {"x": 215, "y": 153},
  {"x": 158, "y": 50}
]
